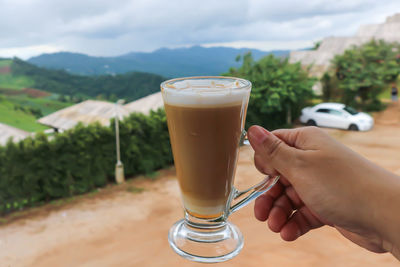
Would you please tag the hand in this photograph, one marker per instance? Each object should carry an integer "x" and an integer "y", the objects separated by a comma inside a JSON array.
[{"x": 325, "y": 183}]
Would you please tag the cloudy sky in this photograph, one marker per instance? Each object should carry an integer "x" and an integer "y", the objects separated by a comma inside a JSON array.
[{"x": 109, "y": 28}]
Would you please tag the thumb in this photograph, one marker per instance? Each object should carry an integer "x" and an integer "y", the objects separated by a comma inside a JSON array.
[{"x": 274, "y": 152}]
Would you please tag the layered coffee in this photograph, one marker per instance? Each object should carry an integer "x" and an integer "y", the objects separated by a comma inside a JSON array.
[{"x": 205, "y": 128}]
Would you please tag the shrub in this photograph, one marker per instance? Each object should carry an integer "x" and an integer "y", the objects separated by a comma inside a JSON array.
[
  {"x": 39, "y": 169},
  {"x": 280, "y": 90},
  {"x": 360, "y": 74}
]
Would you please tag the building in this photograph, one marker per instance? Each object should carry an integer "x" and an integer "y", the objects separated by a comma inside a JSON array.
[
  {"x": 86, "y": 112},
  {"x": 320, "y": 59},
  {"x": 7, "y": 132},
  {"x": 145, "y": 104},
  {"x": 90, "y": 111}
]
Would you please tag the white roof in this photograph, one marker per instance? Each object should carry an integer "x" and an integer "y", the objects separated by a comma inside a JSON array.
[
  {"x": 145, "y": 104},
  {"x": 7, "y": 131},
  {"x": 88, "y": 111},
  {"x": 330, "y": 105}
]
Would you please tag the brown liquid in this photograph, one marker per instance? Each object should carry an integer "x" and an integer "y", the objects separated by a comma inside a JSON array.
[{"x": 205, "y": 142}]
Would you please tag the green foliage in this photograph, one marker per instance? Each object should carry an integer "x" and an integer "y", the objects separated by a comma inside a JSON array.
[
  {"x": 362, "y": 73},
  {"x": 330, "y": 88},
  {"x": 37, "y": 113},
  {"x": 130, "y": 86},
  {"x": 39, "y": 169},
  {"x": 280, "y": 90},
  {"x": 316, "y": 45}
]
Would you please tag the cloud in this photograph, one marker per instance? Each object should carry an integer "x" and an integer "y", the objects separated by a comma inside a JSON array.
[{"x": 99, "y": 27}]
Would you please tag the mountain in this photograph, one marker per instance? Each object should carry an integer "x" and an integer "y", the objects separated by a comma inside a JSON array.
[
  {"x": 130, "y": 86},
  {"x": 195, "y": 60}
]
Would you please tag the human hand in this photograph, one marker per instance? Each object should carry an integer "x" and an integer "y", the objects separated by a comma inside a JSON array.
[{"x": 325, "y": 183}]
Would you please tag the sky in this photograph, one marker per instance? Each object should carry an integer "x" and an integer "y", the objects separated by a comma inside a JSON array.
[{"x": 110, "y": 28}]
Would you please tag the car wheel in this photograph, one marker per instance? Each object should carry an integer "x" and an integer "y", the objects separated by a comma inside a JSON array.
[
  {"x": 353, "y": 127},
  {"x": 311, "y": 123}
]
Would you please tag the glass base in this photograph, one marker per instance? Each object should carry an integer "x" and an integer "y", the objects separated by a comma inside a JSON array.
[{"x": 206, "y": 244}]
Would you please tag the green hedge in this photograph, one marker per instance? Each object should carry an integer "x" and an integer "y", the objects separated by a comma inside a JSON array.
[{"x": 41, "y": 169}]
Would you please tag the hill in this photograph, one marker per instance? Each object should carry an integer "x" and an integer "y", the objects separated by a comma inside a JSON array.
[
  {"x": 12, "y": 114},
  {"x": 129, "y": 86},
  {"x": 192, "y": 61},
  {"x": 28, "y": 92}
]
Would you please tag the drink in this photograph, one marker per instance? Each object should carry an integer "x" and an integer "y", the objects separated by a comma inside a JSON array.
[
  {"x": 205, "y": 121},
  {"x": 205, "y": 141}
]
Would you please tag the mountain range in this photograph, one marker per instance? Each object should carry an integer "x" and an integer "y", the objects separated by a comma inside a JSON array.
[{"x": 191, "y": 61}]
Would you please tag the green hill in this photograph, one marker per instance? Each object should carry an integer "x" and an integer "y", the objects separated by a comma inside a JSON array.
[
  {"x": 28, "y": 92},
  {"x": 10, "y": 114},
  {"x": 129, "y": 86}
]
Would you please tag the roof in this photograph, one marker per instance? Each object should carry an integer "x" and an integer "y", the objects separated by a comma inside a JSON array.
[
  {"x": 7, "y": 131},
  {"x": 88, "y": 111},
  {"x": 145, "y": 104},
  {"x": 330, "y": 105},
  {"x": 321, "y": 58}
]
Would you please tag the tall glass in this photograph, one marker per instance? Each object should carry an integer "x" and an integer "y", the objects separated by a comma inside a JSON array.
[{"x": 206, "y": 117}]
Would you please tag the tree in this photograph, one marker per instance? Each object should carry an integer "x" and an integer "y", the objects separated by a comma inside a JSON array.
[
  {"x": 316, "y": 45},
  {"x": 62, "y": 98},
  {"x": 363, "y": 72},
  {"x": 129, "y": 86},
  {"x": 280, "y": 90}
]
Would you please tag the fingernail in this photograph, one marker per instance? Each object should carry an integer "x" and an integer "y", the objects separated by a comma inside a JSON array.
[{"x": 258, "y": 134}]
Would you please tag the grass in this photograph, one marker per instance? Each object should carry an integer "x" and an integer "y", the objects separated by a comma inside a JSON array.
[
  {"x": 134, "y": 190},
  {"x": 23, "y": 120},
  {"x": 18, "y": 118},
  {"x": 5, "y": 62},
  {"x": 153, "y": 175},
  {"x": 46, "y": 105},
  {"x": 62, "y": 201},
  {"x": 10, "y": 81}
]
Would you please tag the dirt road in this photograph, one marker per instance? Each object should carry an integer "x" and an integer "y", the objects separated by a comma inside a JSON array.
[{"x": 121, "y": 226}]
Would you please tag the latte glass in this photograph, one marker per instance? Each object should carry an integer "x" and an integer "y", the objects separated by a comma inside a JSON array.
[{"x": 206, "y": 117}]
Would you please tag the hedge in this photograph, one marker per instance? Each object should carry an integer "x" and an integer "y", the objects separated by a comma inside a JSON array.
[{"x": 39, "y": 169}]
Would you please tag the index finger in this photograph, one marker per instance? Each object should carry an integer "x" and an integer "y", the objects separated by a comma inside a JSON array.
[{"x": 303, "y": 138}]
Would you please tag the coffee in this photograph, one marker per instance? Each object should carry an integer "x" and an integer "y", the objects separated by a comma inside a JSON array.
[{"x": 205, "y": 135}]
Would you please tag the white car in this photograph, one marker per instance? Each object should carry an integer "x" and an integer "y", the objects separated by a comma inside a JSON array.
[{"x": 336, "y": 115}]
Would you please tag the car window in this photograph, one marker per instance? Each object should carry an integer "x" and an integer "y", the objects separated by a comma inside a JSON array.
[
  {"x": 323, "y": 110},
  {"x": 335, "y": 112},
  {"x": 350, "y": 110}
]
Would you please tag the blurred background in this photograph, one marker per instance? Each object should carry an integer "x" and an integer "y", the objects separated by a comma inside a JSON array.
[{"x": 86, "y": 169}]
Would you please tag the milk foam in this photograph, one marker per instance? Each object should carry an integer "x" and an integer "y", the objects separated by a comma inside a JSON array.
[{"x": 203, "y": 93}]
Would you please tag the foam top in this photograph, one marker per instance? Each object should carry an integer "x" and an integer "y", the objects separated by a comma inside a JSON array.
[{"x": 205, "y": 92}]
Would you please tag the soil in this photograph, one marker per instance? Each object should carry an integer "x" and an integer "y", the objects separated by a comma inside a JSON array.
[
  {"x": 127, "y": 225},
  {"x": 35, "y": 93},
  {"x": 31, "y": 92}
]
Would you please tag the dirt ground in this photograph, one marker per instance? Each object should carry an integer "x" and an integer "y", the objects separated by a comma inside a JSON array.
[{"x": 127, "y": 226}]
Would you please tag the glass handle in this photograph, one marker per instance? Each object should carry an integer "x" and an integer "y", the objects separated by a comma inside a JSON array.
[{"x": 256, "y": 190}]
